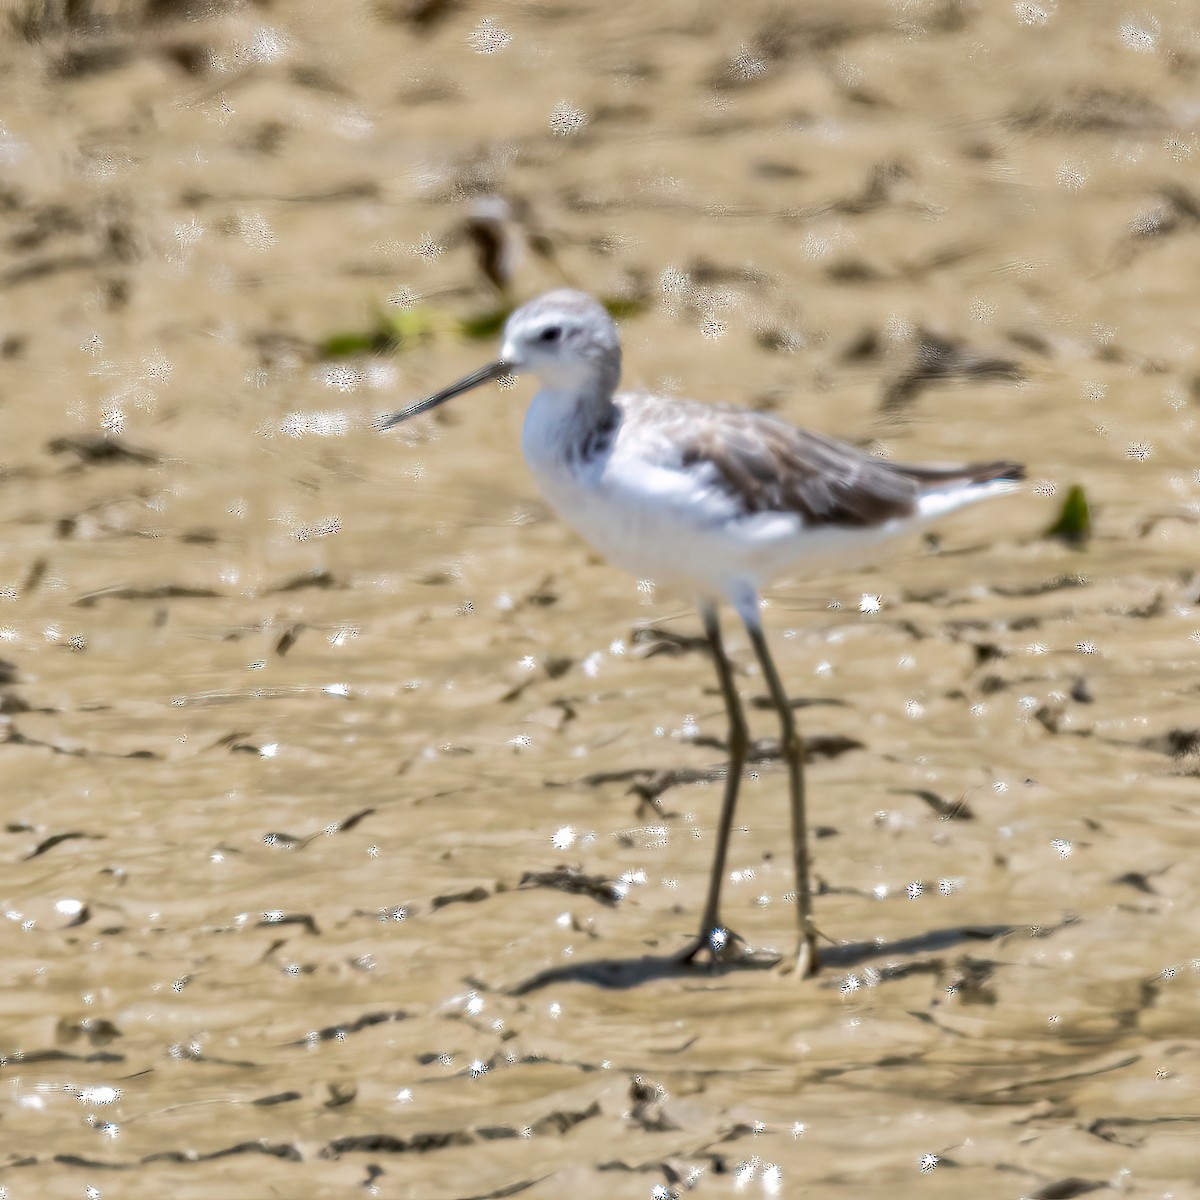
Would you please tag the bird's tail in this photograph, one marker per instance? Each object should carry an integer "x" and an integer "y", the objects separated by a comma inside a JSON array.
[
  {"x": 943, "y": 489},
  {"x": 939, "y": 478}
]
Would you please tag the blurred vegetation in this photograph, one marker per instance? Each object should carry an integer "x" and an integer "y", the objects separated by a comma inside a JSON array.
[
  {"x": 37, "y": 19},
  {"x": 399, "y": 329},
  {"x": 1073, "y": 524}
]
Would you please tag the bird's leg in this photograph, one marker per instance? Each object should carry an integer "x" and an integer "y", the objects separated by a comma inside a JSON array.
[
  {"x": 714, "y": 940},
  {"x": 792, "y": 744}
]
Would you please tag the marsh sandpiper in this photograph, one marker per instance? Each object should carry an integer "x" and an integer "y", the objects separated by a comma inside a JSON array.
[{"x": 713, "y": 502}]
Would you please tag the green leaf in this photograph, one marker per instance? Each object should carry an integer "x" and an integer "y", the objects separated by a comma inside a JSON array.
[
  {"x": 620, "y": 307},
  {"x": 345, "y": 345},
  {"x": 1074, "y": 522},
  {"x": 412, "y": 324},
  {"x": 484, "y": 325}
]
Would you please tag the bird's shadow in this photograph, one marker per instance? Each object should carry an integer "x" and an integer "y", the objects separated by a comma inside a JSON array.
[{"x": 621, "y": 973}]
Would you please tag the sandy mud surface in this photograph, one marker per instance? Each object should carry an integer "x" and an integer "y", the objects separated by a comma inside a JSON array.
[{"x": 330, "y": 862}]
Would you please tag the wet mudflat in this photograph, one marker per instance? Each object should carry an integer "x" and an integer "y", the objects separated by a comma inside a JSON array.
[{"x": 352, "y": 809}]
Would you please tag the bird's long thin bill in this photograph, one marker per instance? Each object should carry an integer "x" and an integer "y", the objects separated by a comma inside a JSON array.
[{"x": 491, "y": 371}]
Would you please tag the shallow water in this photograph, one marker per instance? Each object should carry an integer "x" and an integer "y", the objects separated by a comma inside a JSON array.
[{"x": 294, "y": 707}]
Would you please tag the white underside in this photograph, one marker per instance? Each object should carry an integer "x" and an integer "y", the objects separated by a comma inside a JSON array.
[{"x": 680, "y": 529}]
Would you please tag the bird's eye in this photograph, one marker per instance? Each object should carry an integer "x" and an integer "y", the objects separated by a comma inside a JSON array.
[{"x": 551, "y": 334}]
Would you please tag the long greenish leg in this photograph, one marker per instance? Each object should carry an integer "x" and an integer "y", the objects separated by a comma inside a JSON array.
[
  {"x": 807, "y": 960},
  {"x": 711, "y": 931}
]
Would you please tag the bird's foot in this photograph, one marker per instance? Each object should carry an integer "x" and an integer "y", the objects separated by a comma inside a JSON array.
[
  {"x": 724, "y": 947},
  {"x": 808, "y": 960}
]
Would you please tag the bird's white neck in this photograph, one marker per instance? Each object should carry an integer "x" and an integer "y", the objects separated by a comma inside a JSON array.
[{"x": 566, "y": 426}]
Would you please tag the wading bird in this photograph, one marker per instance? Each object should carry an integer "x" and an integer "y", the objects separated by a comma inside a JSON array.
[{"x": 714, "y": 502}]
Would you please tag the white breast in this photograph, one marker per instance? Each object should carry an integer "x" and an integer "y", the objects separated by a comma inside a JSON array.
[{"x": 647, "y": 514}]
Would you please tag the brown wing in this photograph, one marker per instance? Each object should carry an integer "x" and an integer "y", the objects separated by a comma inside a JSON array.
[
  {"x": 772, "y": 467},
  {"x": 769, "y": 466}
]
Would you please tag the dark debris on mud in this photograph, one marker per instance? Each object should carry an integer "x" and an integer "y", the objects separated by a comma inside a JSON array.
[
  {"x": 649, "y": 784},
  {"x": 102, "y": 451},
  {"x": 574, "y": 882}
]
